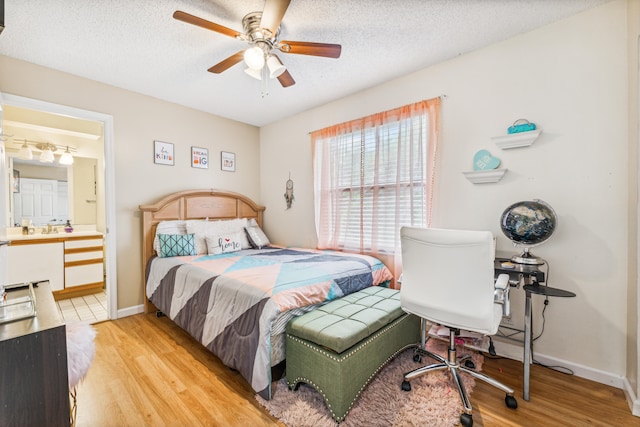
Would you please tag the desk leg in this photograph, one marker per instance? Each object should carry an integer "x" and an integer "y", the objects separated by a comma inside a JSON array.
[{"x": 527, "y": 345}]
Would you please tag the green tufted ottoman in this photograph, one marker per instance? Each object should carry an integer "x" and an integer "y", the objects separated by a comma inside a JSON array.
[{"x": 339, "y": 347}]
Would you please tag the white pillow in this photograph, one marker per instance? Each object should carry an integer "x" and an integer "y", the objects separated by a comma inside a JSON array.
[
  {"x": 224, "y": 243},
  {"x": 203, "y": 229},
  {"x": 256, "y": 236},
  {"x": 177, "y": 226}
]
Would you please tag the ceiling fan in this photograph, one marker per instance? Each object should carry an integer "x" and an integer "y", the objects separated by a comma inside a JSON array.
[{"x": 262, "y": 31}]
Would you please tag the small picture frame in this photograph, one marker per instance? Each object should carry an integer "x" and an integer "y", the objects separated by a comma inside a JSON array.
[
  {"x": 199, "y": 158},
  {"x": 16, "y": 181},
  {"x": 228, "y": 161},
  {"x": 163, "y": 153}
]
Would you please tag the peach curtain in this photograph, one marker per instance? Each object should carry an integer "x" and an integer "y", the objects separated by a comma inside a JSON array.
[{"x": 372, "y": 176}]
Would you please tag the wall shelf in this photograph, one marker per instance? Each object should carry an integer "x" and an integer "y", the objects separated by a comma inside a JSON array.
[
  {"x": 516, "y": 140},
  {"x": 486, "y": 176}
]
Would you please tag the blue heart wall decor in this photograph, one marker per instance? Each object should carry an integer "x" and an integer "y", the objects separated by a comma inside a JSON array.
[{"x": 483, "y": 160}]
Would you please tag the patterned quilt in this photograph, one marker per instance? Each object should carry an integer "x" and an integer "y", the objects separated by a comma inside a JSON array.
[{"x": 229, "y": 302}]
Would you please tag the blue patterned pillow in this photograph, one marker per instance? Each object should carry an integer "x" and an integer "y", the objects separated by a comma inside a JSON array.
[{"x": 176, "y": 245}]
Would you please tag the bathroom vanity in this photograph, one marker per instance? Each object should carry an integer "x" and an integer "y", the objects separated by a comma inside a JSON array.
[{"x": 73, "y": 263}]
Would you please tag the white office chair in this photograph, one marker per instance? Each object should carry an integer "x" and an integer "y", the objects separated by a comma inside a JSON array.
[{"x": 448, "y": 279}]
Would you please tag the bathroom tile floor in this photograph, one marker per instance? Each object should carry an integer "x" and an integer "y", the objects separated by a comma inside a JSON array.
[{"x": 91, "y": 308}]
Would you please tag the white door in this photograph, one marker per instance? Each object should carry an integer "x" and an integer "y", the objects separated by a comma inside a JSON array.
[{"x": 38, "y": 201}]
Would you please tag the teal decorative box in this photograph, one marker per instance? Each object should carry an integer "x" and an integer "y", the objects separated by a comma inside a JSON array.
[{"x": 521, "y": 125}]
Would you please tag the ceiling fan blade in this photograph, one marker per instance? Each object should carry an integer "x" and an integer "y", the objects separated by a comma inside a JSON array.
[
  {"x": 285, "y": 79},
  {"x": 194, "y": 20},
  {"x": 227, "y": 63},
  {"x": 326, "y": 50},
  {"x": 273, "y": 13}
]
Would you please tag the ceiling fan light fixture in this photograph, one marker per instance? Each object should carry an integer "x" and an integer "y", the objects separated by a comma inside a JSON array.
[
  {"x": 276, "y": 68},
  {"x": 25, "y": 152},
  {"x": 254, "y": 58},
  {"x": 256, "y": 74}
]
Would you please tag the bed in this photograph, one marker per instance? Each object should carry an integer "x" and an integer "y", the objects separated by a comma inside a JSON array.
[{"x": 231, "y": 291}]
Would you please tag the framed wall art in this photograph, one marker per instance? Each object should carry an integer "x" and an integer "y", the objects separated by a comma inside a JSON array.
[
  {"x": 163, "y": 153},
  {"x": 199, "y": 158},
  {"x": 228, "y": 161}
]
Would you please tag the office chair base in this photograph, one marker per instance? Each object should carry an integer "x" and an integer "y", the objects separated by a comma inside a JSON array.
[{"x": 452, "y": 364}]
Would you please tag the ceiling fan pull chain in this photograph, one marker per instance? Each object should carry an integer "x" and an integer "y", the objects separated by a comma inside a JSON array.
[{"x": 265, "y": 81}]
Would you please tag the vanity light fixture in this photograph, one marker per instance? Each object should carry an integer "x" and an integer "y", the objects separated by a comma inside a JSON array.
[
  {"x": 46, "y": 156},
  {"x": 46, "y": 152},
  {"x": 66, "y": 158},
  {"x": 25, "y": 152}
]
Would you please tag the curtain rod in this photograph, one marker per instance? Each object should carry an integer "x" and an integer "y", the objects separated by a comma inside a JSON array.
[{"x": 442, "y": 97}]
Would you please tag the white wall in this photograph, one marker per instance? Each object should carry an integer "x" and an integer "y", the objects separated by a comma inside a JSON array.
[
  {"x": 571, "y": 79},
  {"x": 138, "y": 121}
]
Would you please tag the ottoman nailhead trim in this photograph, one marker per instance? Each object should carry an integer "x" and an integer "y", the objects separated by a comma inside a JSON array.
[{"x": 333, "y": 356}]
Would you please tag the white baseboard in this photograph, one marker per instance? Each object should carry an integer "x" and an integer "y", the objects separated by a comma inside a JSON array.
[
  {"x": 632, "y": 400},
  {"x": 130, "y": 311},
  {"x": 515, "y": 351}
]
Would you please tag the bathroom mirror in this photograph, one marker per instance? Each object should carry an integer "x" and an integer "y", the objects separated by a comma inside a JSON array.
[{"x": 51, "y": 194}]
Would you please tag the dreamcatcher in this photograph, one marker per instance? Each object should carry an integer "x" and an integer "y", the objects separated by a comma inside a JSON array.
[{"x": 288, "y": 194}]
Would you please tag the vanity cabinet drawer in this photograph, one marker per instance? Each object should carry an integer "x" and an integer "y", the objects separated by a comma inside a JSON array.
[
  {"x": 84, "y": 243},
  {"x": 83, "y": 256},
  {"x": 36, "y": 262},
  {"x": 83, "y": 262},
  {"x": 80, "y": 275}
]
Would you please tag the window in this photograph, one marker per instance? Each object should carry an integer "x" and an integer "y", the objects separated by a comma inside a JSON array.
[{"x": 374, "y": 175}]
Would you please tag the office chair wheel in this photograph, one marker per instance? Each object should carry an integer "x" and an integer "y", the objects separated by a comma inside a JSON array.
[
  {"x": 469, "y": 364},
  {"x": 406, "y": 385},
  {"x": 511, "y": 402},
  {"x": 466, "y": 420},
  {"x": 417, "y": 358}
]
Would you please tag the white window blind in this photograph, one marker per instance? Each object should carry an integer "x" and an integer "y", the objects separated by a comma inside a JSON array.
[{"x": 372, "y": 176}]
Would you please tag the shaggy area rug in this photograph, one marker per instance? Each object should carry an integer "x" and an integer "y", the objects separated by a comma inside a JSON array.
[{"x": 432, "y": 401}]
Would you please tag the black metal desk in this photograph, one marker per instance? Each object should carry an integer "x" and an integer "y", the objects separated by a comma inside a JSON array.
[{"x": 532, "y": 276}]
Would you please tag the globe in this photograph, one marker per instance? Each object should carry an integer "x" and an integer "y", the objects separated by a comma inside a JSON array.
[{"x": 527, "y": 224}]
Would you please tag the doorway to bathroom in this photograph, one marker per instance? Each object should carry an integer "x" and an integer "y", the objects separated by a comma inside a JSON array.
[{"x": 20, "y": 128}]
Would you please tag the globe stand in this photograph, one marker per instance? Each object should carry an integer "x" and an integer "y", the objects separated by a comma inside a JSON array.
[{"x": 527, "y": 258}]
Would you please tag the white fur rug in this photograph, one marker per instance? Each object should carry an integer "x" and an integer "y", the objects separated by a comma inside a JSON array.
[
  {"x": 80, "y": 350},
  {"x": 432, "y": 401}
]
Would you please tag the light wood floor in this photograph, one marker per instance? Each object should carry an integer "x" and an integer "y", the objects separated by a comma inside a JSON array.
[{"x": 148, "y": 372}]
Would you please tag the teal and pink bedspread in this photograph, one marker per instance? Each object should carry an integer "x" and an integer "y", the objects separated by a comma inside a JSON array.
[{"x": 237, "y": 304}]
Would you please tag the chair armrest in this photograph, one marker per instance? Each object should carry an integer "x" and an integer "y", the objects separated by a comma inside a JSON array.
[
  {"x": 502, "y": 282},
  {"x": 501, "y": 294}
]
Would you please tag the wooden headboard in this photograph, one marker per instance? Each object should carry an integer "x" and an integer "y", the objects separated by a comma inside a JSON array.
[{"x": 192, "y": 204}]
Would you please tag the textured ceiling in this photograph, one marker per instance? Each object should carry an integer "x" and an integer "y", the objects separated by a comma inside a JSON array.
[{"x": 137, "y": 45}]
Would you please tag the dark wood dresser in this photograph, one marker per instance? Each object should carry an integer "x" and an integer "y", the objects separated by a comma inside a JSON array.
[{"x": 34, "y": 389}]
